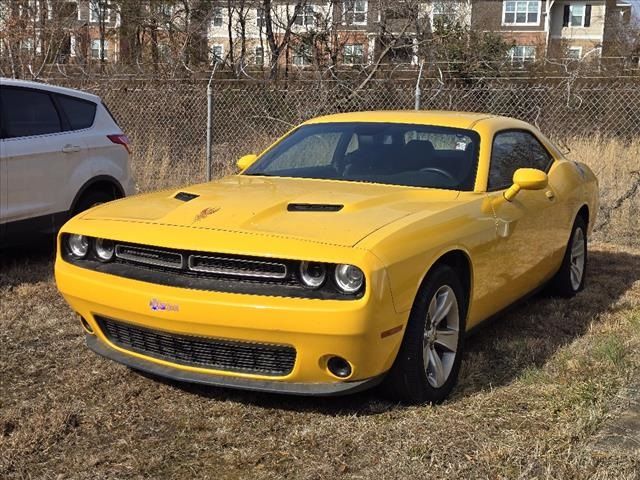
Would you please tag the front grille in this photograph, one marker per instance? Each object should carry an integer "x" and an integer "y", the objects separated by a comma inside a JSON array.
[
  {"x": 149, "y": 256},
  {"x": 232, "y": 356},
  {"x": 237, "y": 267}
]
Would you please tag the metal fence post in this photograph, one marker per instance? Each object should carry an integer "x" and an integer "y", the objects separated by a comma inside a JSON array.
[
  {"x": 418, "y": 91},
  {"x": 210, "y": 124}
]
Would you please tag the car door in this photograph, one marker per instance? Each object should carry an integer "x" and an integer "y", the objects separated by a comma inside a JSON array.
[
  {"x": 36, "y": 151},
  {"x": 526, "y": 227}
]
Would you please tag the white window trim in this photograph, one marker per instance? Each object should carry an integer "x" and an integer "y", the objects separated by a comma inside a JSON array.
[
  {"x": 518, "y": 24},
  {"x": 213, "y": 17},
  {"x": 302, "y": 15},
  {"x": 578, "y": 49},
  {"x": 258, "y": 17},
  {"x": 256, "y": 56},
  {"x": 101, "y": 47},
  {"x": 94, "y": 16},
  {"x": 522, "y": 60},
  {"x": 366, "y": 14},
  {"x": 584, "y": 14},
  {"x": 352, "y": 46},
  {"x": 213, "y": 56}
]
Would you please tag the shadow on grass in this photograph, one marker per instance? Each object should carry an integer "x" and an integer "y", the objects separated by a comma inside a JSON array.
[
  {"x": 28, "y": 263},
  {"x": 496, "y": 354}
]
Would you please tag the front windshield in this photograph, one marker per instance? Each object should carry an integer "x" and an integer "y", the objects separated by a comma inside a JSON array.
[{"x": 389, "y": 153}]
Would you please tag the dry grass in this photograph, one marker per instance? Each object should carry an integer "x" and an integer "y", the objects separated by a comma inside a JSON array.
[
  {"x": 617, "y": 165},
  {"x": 535, "y": 386}
]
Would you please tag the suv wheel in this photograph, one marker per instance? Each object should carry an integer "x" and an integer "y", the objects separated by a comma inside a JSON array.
[{"x": 91, "y": 199}]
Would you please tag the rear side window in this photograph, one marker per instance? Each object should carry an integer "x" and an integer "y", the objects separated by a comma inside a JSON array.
[
  {"x": 28, "y": 112},
  {"x": 79, "y": 113}
]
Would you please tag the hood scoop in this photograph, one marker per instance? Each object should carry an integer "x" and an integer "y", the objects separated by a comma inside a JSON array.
[
  {"x": 185, "y": 196},
  {"x": 314, "y": 207}
]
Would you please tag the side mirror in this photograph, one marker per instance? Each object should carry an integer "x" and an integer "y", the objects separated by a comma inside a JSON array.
[
  {"x": 526, "y": 179},
  {"x": 245, "y": 162}
]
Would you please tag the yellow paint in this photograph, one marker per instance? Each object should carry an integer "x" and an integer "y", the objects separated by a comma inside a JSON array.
[{"x": 394, "y": 234}]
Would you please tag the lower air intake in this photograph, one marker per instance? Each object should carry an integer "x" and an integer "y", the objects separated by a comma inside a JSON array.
[{"x": 245, "y": 357}]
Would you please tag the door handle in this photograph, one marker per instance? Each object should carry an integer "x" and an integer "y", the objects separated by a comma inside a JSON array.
[
  {"x": 71, "y": 148},
  {"x": 550, "y": 195}
]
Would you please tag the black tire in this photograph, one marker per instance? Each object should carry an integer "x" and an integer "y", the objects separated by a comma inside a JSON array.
[
  {"x": 91, "y": 199},
  {"x": 408, "y": 379},
  {"x": 562, "y": 284}
]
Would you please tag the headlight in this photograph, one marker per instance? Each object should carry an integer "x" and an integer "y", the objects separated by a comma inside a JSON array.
[
  {"x": 104, "y": 249},
  {"x": 313, "y": 274},
  {"x": 349, "y": 278},
  {"x": 78, "y": 245}
]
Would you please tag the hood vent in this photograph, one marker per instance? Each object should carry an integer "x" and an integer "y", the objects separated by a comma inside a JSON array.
[
  {"x": 185, "y": 197},
  {"x": 314, "y": 207}
]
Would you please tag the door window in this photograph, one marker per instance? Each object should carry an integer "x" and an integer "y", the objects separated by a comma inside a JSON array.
[
  {"x": 80, "y": 113},
  {"x": 513, "y": 150},
  {"x": 28, "y": 112}
]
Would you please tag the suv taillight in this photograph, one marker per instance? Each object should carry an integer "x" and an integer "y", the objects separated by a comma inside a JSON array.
[{"x": 121, "y": 139}]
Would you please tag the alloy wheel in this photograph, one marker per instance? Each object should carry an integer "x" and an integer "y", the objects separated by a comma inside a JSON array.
[{"x": 442, "y": 331}]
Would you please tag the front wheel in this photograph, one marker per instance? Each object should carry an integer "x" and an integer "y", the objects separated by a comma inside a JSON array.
[{"x": 427, "y": 366}]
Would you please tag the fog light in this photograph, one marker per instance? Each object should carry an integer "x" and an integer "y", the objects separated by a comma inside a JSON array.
[
  {"x": 339, "y": 367},
  {"x": 86, "y": 326}
]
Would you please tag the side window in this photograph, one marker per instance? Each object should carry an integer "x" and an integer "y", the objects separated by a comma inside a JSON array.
[
  {"x": 513, "y": 150},
  {"x": 28, "y": 112},
  {"x": 80, "y": 113}
]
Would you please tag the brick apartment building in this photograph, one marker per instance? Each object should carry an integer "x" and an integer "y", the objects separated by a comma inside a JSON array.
[{"x": 349, "y": 31}]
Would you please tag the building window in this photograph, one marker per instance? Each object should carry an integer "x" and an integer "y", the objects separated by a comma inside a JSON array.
[
  {"x": 355, "y": 12},
  {"x": 521, "y": 12},
  {"x": 96, "y": 49},
  {"x": 217, "y": 53},
  {"x": 354, "y": 54},
  {"x": 521, "y": 54},
  {"x": 217, "y": 17},
  {"x": 302, "y": 56},
  {"x": 577, "y": 15},
  {"x": 306, "y": 16},
  {"x": 574, "y": 53},
  {"x": 259, "y": 17},
  {"x": 444, "y": 12},
  {"x": 99, "y": 11},
  {"x": 259, "y": 56}
]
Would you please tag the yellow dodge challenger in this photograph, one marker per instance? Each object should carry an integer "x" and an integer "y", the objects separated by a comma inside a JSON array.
[{"x": 358, "y": 249}]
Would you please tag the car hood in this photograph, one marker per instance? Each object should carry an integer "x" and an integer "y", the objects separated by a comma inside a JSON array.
[{"x": 332, "y": 212}]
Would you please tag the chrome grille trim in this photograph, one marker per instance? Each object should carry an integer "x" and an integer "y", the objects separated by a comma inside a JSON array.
[
  {"x": 149, "y": 256},
  {"x": 239, "y": 271}
]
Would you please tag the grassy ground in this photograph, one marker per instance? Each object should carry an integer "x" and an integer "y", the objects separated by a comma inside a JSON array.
[{"x": 536, "y": 385}]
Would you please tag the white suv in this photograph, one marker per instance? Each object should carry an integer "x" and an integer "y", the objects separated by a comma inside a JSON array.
[{"x": 61, "y": 152}]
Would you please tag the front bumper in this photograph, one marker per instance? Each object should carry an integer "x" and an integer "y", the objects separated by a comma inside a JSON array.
[
  {"x": 358, "y": 330},
  {"x": 177, "y": 374}
]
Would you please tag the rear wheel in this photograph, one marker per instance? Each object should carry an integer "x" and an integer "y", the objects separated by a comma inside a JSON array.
[
  {"x": 427, "y": 366},
  {"x": 571, "y": 277},
  {"x": 91, "y": 199}
]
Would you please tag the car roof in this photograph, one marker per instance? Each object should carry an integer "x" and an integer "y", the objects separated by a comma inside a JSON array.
[
  {"x": 5, "y": 82},
  {"x": 442, "y": 118}
]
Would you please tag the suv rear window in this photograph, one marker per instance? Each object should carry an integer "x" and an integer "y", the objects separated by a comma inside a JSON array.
[
  {"x": 80, "y": 113},
  {"x": 28, "y": 112}
]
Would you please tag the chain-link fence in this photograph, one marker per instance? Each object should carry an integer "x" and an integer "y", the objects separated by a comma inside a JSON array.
[
  {"x": 598, "y": 120},
  {"x": 166, "y": 120}
]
